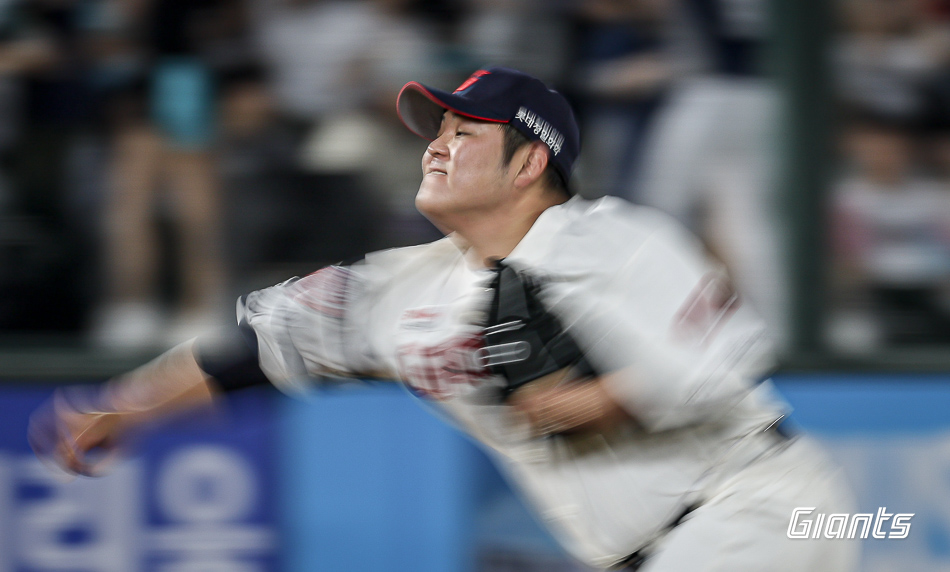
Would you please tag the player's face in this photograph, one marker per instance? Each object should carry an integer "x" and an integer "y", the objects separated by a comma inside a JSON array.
[{"x": 462, "y": 172}]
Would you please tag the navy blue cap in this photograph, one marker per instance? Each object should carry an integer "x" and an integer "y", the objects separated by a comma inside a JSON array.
[{"x": 499, "y": 95}]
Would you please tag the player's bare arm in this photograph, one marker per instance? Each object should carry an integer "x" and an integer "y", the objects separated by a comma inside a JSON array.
[{"x": 67, "y": 432}]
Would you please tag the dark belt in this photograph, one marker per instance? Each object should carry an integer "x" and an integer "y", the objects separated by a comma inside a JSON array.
[{"x": 636, "y": 560}]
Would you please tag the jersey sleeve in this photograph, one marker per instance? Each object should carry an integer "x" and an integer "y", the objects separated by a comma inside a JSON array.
[
  {"x": 679, "y": 344},
  {"x": 310, "y": 328}
]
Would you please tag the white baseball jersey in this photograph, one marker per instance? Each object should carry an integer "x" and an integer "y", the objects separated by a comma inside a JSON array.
[{"x": 640, "y": 298}]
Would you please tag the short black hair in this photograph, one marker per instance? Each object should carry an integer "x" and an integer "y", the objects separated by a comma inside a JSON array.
[{"x": 514, "y": 140}]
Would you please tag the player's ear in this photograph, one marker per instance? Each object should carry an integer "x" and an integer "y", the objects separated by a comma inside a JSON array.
[{"x": 533, "y": 164}]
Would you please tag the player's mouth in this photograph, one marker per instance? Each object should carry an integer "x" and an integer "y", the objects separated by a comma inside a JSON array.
[{"x": 435, "y": 172}]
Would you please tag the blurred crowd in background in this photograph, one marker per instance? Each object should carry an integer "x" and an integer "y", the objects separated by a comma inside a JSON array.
[
  {"x": 158, "y": 158},
  {"x": 890, "y": 212}
]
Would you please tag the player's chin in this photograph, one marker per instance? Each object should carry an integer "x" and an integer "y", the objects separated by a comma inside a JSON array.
[
  {"x": 436, "y": 209},
  {"x": 431, "y": 198}
]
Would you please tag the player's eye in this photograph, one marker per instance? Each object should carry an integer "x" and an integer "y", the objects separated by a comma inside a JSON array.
[{"x": 459, "y": 133}]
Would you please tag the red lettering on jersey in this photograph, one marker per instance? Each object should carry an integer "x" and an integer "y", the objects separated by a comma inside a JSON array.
[
  {"x": 324, "y": 291},
  {"x": 471, "y": 79},
  {"x": 707, "y": 308},
  {"x": 439, "y": 372},
  {"x": 420, "y": 314}
]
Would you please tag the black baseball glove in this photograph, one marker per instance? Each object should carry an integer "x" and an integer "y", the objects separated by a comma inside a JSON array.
[{"x": 523, "y": 340}]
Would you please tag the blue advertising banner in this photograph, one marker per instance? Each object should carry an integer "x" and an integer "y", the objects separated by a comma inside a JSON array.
[
  {"x": 198, "y": 496},
  {"x": 369, "y": 480}
]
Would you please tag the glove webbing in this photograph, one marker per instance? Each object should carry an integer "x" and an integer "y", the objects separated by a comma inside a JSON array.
[{"x": 523, "y": 340}]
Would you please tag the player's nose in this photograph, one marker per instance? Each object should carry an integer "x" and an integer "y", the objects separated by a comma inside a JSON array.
[{"x": 437, "y": 148}]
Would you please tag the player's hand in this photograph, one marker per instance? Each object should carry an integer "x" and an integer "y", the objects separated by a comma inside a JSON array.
[
  {"x": 71, "y": 434},
  {"x": 554, "y": 405}
]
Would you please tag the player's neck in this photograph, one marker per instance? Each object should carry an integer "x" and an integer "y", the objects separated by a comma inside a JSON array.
[{"x": 493, "y": 237}]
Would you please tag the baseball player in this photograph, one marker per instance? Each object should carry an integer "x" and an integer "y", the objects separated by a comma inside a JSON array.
[{"x": 603, "y": 360}]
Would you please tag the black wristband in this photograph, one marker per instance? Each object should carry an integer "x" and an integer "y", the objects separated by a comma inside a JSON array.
[{"x": 231, "y": 359}]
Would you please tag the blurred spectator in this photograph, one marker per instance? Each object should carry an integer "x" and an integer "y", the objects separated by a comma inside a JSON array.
[
  {"x": 316, "y": 53},
  {"x": 529, "y": 35},
  {"x": 887, "y": 53},
  {"x": 163, "y": 169},
  {"x": 891, "y": 229},
  {"x": 891, "y": 208},
  {"x": 278, "y": 216},
  {"x": 709, "y": 155},
  {"x": 46, "y": 114},
  {"x": 623, "y": 71},
  {"x": 253, "y": 152},
  {"x": 336, "y": 66}
]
